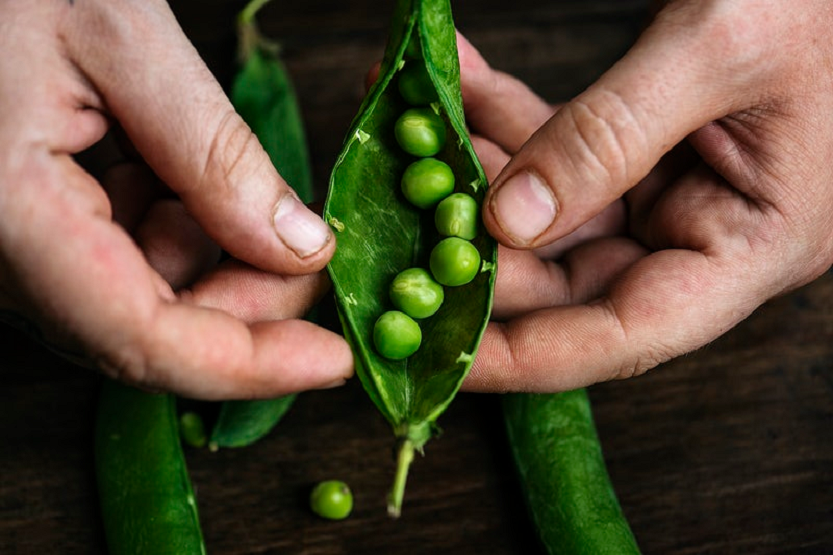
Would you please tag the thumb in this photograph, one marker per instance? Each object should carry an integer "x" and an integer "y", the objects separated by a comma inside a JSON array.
[
  {"x": 176, "y": 114},
  {"x": 608, "y": 138}
]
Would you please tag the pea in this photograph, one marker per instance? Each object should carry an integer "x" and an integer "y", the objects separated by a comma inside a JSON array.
[
  {"x": 396, "y": 335},
  {"x": 192, "y": 429},
  {"x": 415, "y": 85},
  {"x": 420, "y": 131},
  {"x": 331, "y": 499},
  {"x": 454, "y": 261},
  {"x": 415, "y": 293},
  {"x": 413, "y": 50},
  {"x": 456, "y": 216},
  {"x": 426, "y": 182}
]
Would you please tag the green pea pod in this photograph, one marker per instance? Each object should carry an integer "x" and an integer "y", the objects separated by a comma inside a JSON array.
[
  {"x": 563, "y": 475},
  {"x": 379, "y": 234},
  {"x": 147, "y": 503},
  {"x": 262, "y": 93},
  {"x": 241, "y": 423}
]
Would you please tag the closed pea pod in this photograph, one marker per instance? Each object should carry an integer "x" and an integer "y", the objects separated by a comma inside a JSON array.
[
  {"x": 144, "y": 490},
  {"x": 563, "y": 475},
  {"x": 263, "y": 95},
  {"x": 379, "y": 234}
]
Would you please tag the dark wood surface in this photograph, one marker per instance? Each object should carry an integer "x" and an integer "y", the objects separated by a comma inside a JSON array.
[{"x": 726, "y": 450}]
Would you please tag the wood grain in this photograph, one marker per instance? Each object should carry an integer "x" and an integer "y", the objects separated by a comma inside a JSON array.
[{"x": 726, "y": 450}]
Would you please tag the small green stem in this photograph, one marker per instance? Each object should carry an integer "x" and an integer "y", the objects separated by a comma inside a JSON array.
[
  {"x": 251, "y": 9},
  {"x": 248, "y": 35},
  {"x": 397, "y": 492}
]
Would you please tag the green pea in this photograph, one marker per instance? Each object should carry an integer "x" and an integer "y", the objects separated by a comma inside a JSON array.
[
  {"x": 415, "y": 293},
  {"x": 426, "y": 182},
  {"x": 192, "y": 429},
  {"x": 420, "y": 131},
  {"x": 456, "y": 216},
  {"x": 396, "y": 335},
  {"x": 331, "y": 499},
  {"x": 454, "y": 261},
  {"x": 413, "y": 50},
  {"x": 415, "y": 84}
]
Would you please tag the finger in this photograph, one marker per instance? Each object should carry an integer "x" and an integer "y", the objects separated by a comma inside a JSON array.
[
  {"x": 372, "y": 74},
  {"x": 132, "y": 188},
  {"x": 226, "y": 358},
  {"x": 174, "y": 244},
  {"x": 622, "y": 334},
  {"x": 611, "y": 221},
  {"x": 253, "y": 295},
  {"x": 497, "y": 105},
  {"x": 491, "y": 156},
  {"x": 672, "y": 82},
  {"x": 176, "y": 114},
  {"x": 526, "y": 283},
  {"x": 643, "y": 197}
]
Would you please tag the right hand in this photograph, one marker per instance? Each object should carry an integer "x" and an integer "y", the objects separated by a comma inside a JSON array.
[{"x": 665, "y": 203}]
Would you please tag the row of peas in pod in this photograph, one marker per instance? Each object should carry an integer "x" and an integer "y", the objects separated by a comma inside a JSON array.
[{"x": 427, "y": 183}]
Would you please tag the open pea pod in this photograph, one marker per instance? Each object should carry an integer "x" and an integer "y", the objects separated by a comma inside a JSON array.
[{"x": 379, "y": 234}]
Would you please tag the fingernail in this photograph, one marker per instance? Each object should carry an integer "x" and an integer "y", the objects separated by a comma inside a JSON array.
[
  {"x": 524, "y": 207},
  {"x": 299, "y": 228}
]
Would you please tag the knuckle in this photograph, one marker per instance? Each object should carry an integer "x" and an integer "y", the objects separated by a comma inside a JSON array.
[
  {"x": 234, "y": 154},
  {"x": 126, "y": 365},
  {"x": 608, "y": 137},
  {"x": 640, "y": 365},
  {"x": 738, "y": 31},
  {"x": 642, "y": 358}
]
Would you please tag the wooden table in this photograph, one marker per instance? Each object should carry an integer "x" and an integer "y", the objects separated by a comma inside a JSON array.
[{"x": 727, "y": 450}]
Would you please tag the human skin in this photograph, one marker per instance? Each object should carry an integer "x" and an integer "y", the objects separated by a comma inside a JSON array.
[
  {"x": 659, "y": 208},
  {"x": 123, "y": 273}
]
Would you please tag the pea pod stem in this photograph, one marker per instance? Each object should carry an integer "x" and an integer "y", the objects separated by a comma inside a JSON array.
[
  {"x": 247, "y": 15},
  {"x": 404, "y": 458}
]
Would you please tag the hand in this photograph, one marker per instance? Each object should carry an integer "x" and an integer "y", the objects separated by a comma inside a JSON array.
[
  {"x": 659, "y": 208},
  {"x": 69, "y": 69}
]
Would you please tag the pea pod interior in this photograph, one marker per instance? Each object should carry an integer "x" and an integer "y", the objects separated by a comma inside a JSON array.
[{"x": 380, "y": 234}]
